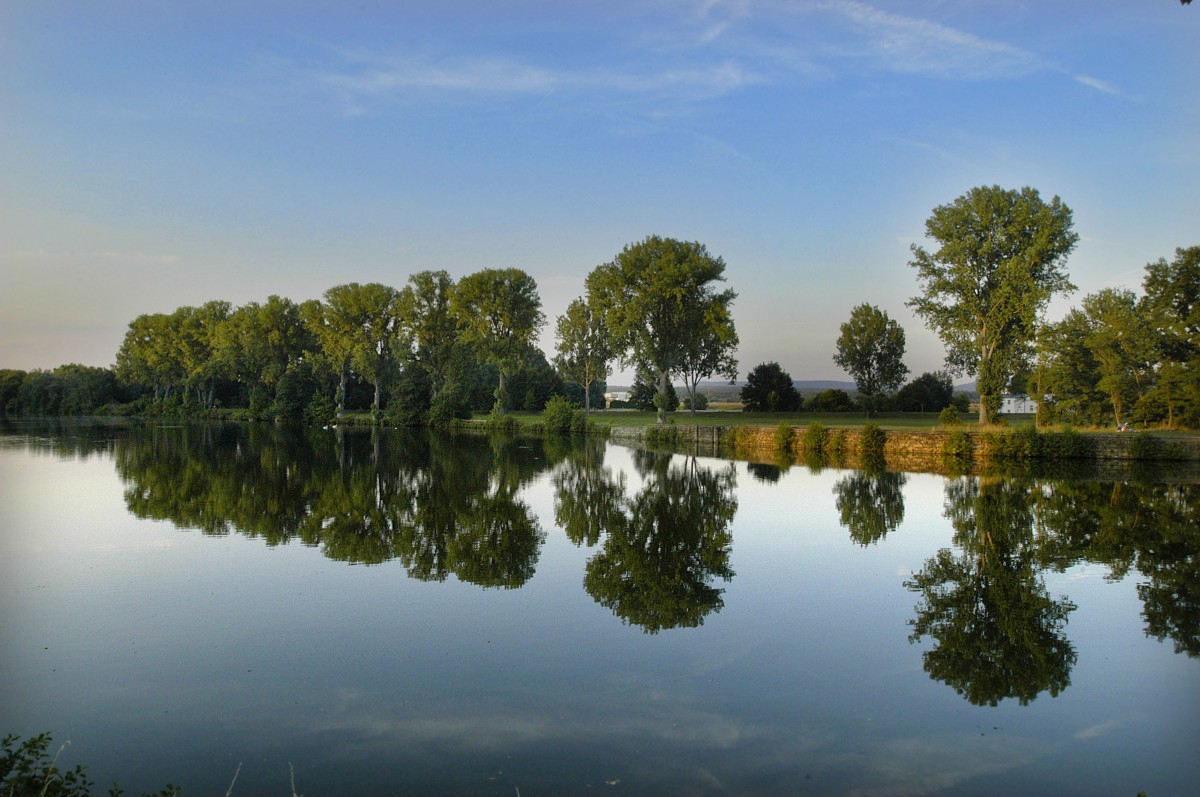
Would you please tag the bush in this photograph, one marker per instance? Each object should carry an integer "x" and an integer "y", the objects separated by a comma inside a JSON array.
[
  {"x": 957, "y": 446},
  {"x": 835, "y": 442},
  {"x": 815, "y": 437},
  {"x": 783, "y": 437},
  {"x": 949, "y": 416},
  {"x": 661, "y": 435},
  {"x": 873, "y": 440},
  {"x": 562, "y": 417},
  {"x": 1145, "y": 446},
  {"x": 26, "y": 768}
]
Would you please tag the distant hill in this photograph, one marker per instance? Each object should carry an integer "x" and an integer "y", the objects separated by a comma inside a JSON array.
[{"x": 724, "y": 391}]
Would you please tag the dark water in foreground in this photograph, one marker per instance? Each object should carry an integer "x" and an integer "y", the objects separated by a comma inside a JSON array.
[{"x": 428, "y": 614}]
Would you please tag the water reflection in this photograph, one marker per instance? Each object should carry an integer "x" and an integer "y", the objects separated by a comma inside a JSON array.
[
  {"x": 870, "y": 503},
  {"x": 997, "y": 632},
  {"x": 665, "y": 546},
  {"x": 440, "y": 504}
]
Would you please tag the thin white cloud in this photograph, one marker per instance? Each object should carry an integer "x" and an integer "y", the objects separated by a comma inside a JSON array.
[
  {"x": 920, "y": 46},
  {"x": 1099, "y": 85}
]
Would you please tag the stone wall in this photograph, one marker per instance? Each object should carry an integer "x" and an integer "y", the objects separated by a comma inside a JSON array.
[{"x": 903, "y": 450}]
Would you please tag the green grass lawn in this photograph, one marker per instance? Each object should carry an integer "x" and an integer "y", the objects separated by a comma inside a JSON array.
[{"x": 851, "y": 420}]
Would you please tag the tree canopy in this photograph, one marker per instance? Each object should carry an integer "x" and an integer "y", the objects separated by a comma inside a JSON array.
[
  {"x": 584, "y": 347},
  {"x": 659, "y": 300},
  {"x": 871, "y": 350},
  {"x": 1000, "y": 257},
  {"x": 769, "y": 388}
]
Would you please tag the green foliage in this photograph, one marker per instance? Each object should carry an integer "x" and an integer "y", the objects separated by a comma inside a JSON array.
[
  {"x": 873, "y": 439},
  {"x": 28, "y": 769},
  {"x": 643, "y": 394},
  {"x": 949, "y": 417},
  {"x": 659, "y": 302},
  {"x": 835, "y": 442},
  {"x": 1025, "y": 442},
  {"x": 831, "y": 401},
  {"x": 815, "y": 438},
  {"x": 769, "y": 388},
  {"x": 1000, "y": 258},
  {"x": 665, "y": 436},
  {"x": 562, "y": 417},
  {"x": 957, "y": 445},
  {"x": 871, "y": 349},
  {"x": 584, "y": 347},
  {"x": 701, "y": 402},
  {"x": 784, "y": 433},
  {"x": 929, "y": 392}
]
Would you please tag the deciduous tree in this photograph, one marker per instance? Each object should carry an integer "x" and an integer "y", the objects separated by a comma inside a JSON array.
[
  {"x": 1000, "y": 257},
  {"x": 871, "y": 350},
  {"x": 584, "y": 347},
  {"x": 500, "y": 315},
  {"x": 652, "y": 297}
]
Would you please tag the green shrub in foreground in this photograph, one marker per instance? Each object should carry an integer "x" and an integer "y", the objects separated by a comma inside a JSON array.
[
  {"x": 815, "y": 437},
  {"x": 949, "y": 416},
  {"x": 26, "y": 768},
  {"x": 957, "y": 445},
  {"x": 873, "y": 440},
  {"x": 783, "y": 437}
]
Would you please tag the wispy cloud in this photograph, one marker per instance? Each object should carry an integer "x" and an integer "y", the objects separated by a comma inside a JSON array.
[
  {"x": 1099, "y": 85},
  {"x": 921, "y": 46}
]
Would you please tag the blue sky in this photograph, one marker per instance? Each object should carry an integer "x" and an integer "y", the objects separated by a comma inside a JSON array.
[{"x": 157, "y": 154}]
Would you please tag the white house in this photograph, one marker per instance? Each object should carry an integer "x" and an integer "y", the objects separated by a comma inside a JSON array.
[{"x": 1022, "y": 404}]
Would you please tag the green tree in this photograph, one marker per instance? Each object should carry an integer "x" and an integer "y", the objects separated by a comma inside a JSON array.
[
  {"x": 644, "y": 395},
  {"x": 870, "y": 503},
  {"x": 429, "y": 328},
  {"x": 998, "y": 634},
  {"x": 1000, "y": 258},
  {"x": 584, "y": 347},
  {"x": 710, "y": 346},
  {"x": 832, "y": 400},
  {"x": 355, "y": 327},
  {"x": 769, "y": 388},
  {"x": 1172, "y": 304},
  {"x": 1120, "y": 343},
  {"x": 929, "y": 392},
  {"x": 500, "y": 315},
  {"x": 871, "y": 350},
  {"x": 652, "y": 296}
]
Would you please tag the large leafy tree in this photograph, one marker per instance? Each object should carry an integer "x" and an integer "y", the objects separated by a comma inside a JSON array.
[
  {"x": 1172, "y": 305},
  {"x": 769, "y": 388},
  {"x": 500, "y": 315},
  {"x": 1000, "y": 257},
  {"x": 355, "y": 326},
  {"x": 711, "y": 346},
  {"x": 428, "y": 326},
  {"x": 652, "y": 296},
  {"x": 584, "y": 347},
  {"x": 929, "y": 392},
  {"x": 871, "y": 350}
]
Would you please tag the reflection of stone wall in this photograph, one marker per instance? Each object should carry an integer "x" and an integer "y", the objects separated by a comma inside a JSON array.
[{"x": 903, "y": 450}]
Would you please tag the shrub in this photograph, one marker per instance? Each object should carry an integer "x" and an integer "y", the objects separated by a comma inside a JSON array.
[
  {"x": 835, "y": 442},
  {"x": 661, "y": 435},
  {"x": 957, "y": 445},
  {"x": 873, "y": 440},
  {"x": 783, "y": 437},
  {"x": 1145, "y": 446},
  {"x": 949, "y": 416},
  {"x": 815, "y": 437},
  {"x": 559, "y": 416}
]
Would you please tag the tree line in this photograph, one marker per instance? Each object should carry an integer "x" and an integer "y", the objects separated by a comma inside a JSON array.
[
  {"x": 424, "y": 354},
  {"x": 438, "y": 349},
  {"x": 1000, "y": 258}
]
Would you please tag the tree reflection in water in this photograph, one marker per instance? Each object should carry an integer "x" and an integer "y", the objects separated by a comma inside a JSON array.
[
  {"x": 870, "y": 503},
  {"x": 997, "y": 633},
  {"x": 446, "y": 504},
  {"x": 665, "y": 545},
  {"x": 438, "y": 503}
]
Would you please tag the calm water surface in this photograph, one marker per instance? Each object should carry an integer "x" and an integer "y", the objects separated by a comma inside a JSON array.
[{"x": 430, "y": 614}]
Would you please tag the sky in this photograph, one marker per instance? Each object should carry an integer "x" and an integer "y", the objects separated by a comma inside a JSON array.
[{"x": 161, "y": 154}]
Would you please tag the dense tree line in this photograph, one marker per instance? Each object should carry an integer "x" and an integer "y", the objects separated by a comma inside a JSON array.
[{"x": 423, "y": 354}]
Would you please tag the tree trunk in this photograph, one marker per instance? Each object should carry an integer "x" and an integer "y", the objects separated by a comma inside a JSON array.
[
  {"x": 587, "y": 399},
  {"x": 662, "y": 391},
  {"x": 341, "y": 393}
]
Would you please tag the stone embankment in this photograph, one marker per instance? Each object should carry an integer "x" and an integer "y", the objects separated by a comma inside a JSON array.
[{"x": 908, "y": 450}]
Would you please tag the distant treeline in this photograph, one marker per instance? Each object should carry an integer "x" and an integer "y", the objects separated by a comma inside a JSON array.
[{"x": 364, "y": 347}]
